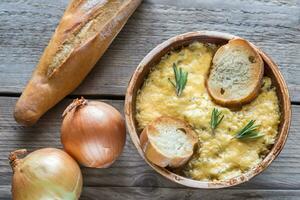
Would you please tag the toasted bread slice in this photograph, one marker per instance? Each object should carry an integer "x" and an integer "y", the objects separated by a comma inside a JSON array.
[
  {"x": 236, "y": 74},
  {"x": 168, "y": 142}
]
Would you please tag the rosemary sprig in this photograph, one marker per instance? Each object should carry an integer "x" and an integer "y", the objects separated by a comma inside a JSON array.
[
  {"x": 249, "y": 132},
  {"x": 180, "y": 79},
  {"x": 216, "y": 118}
]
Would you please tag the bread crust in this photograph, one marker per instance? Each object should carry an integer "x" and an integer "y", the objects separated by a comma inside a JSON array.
[
  {"x": 255, "y": 77},
  {"x": 153, "y": 154},
  {"x": 47, "y": 87}
]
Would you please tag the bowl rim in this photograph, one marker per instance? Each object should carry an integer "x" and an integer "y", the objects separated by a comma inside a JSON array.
[{"x": 276, "y": 148}]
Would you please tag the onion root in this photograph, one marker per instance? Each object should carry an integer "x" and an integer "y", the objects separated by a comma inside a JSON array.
[{"x": 13, "y": 157}]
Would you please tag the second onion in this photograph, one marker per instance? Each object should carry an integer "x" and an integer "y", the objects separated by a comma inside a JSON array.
[{"x": 93, "y": 133}]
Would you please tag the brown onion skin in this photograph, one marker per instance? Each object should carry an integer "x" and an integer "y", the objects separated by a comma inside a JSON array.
[
  {"x": 93, "y": 133},
  {"x": 47, "y": 173}
]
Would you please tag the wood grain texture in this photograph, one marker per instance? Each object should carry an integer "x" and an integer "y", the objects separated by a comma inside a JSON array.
[
  {"x": 144, "y": 193},
  {"x": 130, "y": 170},
  {"x": 26, "y": 27}
]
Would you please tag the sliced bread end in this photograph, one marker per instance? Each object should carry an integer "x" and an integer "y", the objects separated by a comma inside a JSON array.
[{"x": 168, "y": 142}]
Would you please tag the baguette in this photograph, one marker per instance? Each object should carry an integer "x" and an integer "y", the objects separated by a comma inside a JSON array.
[
  {"x": 236, "y": 74},
  {"x": 84, "y": 33},
  {"x": 168, "y": 142}
]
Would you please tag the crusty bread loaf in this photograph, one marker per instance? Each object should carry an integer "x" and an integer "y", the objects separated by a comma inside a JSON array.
[
  {"x": 168, "y": 142},
  {"x": 236, "y": 74},
  {"x": 84, "y": 33}
]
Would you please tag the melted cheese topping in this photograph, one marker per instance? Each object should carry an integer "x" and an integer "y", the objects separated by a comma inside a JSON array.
[{"x": 218, "y": 156}]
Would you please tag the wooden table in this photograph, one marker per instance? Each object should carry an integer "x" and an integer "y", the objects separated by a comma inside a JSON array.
[{"x": 26, "y": 27}]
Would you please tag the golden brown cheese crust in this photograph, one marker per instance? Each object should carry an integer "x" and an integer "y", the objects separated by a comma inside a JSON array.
[
  {"x": 220, "y": 157},
  {"x": 82, "y": 36}
]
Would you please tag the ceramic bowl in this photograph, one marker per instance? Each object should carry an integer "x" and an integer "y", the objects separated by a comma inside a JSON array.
[{"x": 141, "y": 72}]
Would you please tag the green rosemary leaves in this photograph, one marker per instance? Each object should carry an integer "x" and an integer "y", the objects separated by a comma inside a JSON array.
[
  {"x": 180, "y": 79},
  {"x": 216, "y": 118},
  {"x": 249, "y": 132}
]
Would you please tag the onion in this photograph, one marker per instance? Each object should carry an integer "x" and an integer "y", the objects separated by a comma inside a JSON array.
[
  {"x": 93, "y": 133},
  {"x": 47, "y": 173}
]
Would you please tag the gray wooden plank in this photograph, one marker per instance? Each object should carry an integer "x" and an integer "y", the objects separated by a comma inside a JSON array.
[
  {"x": 26, "y": 27},
  {"x": 130, "y": 170},
  {"x": 143, "y": 193},
  {"x": 187, "y": 194}
]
